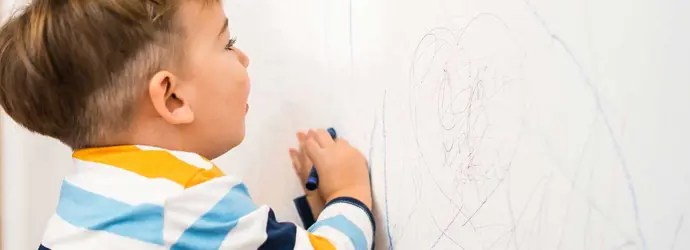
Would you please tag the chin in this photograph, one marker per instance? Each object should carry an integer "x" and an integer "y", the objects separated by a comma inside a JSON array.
[
  {"x": 221, "y": 144},
  {"x": 226, "y": 147},
  {"x": 238, "y": 138},
  {"x": 236, "y": 142}
]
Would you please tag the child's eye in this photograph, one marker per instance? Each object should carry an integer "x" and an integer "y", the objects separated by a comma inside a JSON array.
[{"x": 231, "y": 43}]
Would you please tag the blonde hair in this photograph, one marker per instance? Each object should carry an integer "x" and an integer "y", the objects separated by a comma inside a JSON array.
[{"x": 74, "y": 69}]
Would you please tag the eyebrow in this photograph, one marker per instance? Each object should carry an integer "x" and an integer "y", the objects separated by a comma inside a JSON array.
[{"x": 224, "y": 28}]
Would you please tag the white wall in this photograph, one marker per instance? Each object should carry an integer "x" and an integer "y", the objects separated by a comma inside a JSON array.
[{"x": 33, "y": 167}]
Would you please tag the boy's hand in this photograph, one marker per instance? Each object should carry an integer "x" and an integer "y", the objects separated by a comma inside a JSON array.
[
  {"x": 302, "y": 165},
  {"x": 342, "y": 168}
]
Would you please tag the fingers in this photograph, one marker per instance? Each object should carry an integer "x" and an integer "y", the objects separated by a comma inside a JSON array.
[
  {"x": 294, "y": 156},
  {"x": 302, "y": 156},
  {"x": 342, "y": 142},
  {"x": 301, "y": 137},
  {"x": 311, "y": 146},
  {"x": 313, "y": 149},
  {"x": 322, "y": 137}
]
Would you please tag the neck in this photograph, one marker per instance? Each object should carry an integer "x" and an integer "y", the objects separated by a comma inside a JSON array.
[{"x": 151, "y": 131}]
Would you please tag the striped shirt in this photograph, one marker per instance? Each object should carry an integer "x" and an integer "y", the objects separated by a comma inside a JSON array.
[{"x": 137, "y": 197}]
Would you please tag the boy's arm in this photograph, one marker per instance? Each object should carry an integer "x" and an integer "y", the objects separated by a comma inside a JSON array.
[
  {"x": 219, "y": 214},
  {"x": 345, "y": 223}
]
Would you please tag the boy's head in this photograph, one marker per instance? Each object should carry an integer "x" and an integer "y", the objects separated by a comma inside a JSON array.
[{"x": 112, "y": 72}]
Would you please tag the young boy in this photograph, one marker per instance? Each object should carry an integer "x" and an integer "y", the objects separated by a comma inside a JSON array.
[{"x": 145, "y": 92}]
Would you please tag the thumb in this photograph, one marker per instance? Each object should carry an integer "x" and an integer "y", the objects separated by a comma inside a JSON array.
[{"x": 313, "y": 150}]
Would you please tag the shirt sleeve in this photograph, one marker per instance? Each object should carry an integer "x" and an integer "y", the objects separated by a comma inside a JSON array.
[
  {"x": 345, "y": 223},
  {"x": 220, "y": 214}
]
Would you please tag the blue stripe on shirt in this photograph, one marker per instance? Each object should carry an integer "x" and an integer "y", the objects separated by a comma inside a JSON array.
[
  {"x": 210, "y": 230},
  {"x": 95, "y": 212},
  {"x": 342, "y": 224}
]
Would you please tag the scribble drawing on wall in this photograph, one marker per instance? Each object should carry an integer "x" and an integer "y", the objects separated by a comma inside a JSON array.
[{"x": 486, "y": 166}]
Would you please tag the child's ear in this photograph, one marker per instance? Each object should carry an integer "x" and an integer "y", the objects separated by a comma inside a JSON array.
[{"x": 170, "y": 99}]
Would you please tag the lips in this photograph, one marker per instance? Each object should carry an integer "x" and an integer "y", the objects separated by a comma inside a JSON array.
[{"x": 246, "y": 109}]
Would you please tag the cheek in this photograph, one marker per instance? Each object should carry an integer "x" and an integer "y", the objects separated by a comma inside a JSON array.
[
  {"x": 237, "y": 85},
  {"x": 230, "y": 86},
  {"x": 235, "y": 93}
]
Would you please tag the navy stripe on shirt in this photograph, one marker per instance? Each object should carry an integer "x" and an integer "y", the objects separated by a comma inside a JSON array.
[
  {"x": 42, "y": 247},
  {"x": 279, "y": 235}
]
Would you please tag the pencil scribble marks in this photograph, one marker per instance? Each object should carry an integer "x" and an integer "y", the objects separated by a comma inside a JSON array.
[
  {"x": 385, "y": 173},
  {"x": 457, "y": 82},
  {"x": 491, "y": 162},
  {"x": 459, "y": 79},
  {"x": 675, "y": 237},
  {"x": 606, "y": 120}
]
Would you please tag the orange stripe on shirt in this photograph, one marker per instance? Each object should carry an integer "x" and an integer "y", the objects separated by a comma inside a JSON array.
[
  {"x": 320, "y": 243},
  {"x": 150, "y": 164}
]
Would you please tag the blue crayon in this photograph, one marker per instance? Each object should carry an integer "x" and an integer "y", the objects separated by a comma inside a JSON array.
[{"x": 313, "y": 180}]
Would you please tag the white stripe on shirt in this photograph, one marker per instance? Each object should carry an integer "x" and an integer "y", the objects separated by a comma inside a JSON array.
[
  {"x": 183, "y": 210},
  {"x": 250, "y": 231},
  {"x": 337, "y": 238},
  {"x": 60, "y": 235},
  {"x": 355, "y": 214},
  {"x": 302, "y": 241},
  {"x": 138, "y": 190}
]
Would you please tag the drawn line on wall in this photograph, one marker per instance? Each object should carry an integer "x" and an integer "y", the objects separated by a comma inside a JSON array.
[
  {"x": 385, "y": 171},
  {"x": 675, "y": 238},
  {"x": 607, "y": 122}
]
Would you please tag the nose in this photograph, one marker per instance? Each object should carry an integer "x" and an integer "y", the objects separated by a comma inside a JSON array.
[{"x": 244, "y": 59}]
